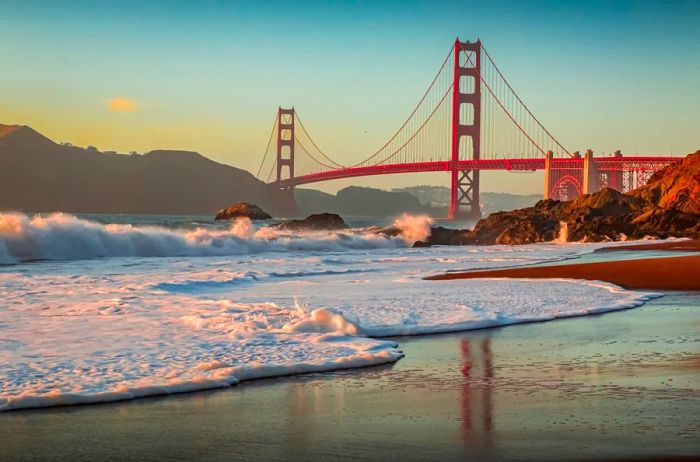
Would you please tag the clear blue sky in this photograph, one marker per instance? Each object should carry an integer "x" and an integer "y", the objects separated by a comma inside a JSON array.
[{"x": 209, "y": 75}]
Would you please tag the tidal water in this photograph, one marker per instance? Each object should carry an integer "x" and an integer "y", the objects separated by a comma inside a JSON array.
[{"x": 108, "y": 308}]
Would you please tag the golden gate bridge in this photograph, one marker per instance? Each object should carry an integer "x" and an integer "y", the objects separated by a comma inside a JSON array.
[{"x": 468, "y": 120}]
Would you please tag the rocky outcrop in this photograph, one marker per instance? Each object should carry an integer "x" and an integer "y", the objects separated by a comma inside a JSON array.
[
  {"x": 242, "y": 209},
  {"x": 315, "y": 222},
  {"x": 676, "y": 187},
  {"x": 668, "y": 206}
]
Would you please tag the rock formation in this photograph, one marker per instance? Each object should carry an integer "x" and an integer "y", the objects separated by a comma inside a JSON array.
[
  {"x": 242, "y": 209},
  {"x": 315, "y": 222},
  {"x": 668, "y": 206},
  {"x": 676, "y": 187}
]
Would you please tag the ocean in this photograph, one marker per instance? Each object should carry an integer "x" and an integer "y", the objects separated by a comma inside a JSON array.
[{"x": 100, "y": 308}]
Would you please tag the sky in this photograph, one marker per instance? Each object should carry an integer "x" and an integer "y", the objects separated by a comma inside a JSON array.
[{"x": 208, "y": 76}]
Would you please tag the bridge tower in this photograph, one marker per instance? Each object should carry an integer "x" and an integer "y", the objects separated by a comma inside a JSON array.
[
  {"x": 466, "y": 130},
  {"x": 284, "y": 195}
]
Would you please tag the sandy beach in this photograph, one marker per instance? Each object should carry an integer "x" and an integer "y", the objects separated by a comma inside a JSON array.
[
  {"x": 665, "y": 273},
  {"x": 619, "y": 386},
  {"x": 690, "y": 245}
]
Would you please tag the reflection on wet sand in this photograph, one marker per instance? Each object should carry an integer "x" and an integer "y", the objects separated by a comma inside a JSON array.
[
  {"x": 622, "y": 386},
  {"x": 477, "y": 401}
]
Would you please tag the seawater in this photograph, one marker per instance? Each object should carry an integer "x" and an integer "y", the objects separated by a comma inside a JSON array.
[{"x": 106, "y": 308}]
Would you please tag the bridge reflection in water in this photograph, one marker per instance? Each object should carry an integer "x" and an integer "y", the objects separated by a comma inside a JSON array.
[{"x": 477, "y": 400}]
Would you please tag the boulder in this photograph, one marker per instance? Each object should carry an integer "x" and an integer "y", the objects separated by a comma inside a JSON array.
[
  {"x": 242, "y": 209},
  {"x": 445, "y": 236},
  {"x": 315, "y": 222},
  {"x": 438, "y": 235}
]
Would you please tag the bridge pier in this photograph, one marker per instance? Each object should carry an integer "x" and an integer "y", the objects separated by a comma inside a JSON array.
[
  {"x": 283, "y": 202},
  {"x": 590, "y": 174},
  {"x": 464, "y": 200},
  {"x": 615, "y": 176},
  {"x": 548, "y": 175}
]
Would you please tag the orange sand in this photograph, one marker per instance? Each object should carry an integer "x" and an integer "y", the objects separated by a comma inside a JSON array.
[
  {"x": 666, "y": 273},
  {"x": 685, "y": 246}
]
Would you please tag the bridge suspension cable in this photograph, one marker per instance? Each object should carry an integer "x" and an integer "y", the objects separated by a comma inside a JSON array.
[
  {"x": 493, "y": 63},
  {"x": 508, "y": 128},
  {"x": 267, "y": 149},
  {"x": 313, "y": 143},
  {"x": 413, "y": 113},
  {"x": 420, "y": 129}
]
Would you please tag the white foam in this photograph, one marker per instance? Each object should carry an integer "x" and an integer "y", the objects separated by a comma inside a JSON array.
[
  {"x": 85, "y": 331},
  {"x": 414, "y": 228},
  {"x": 65, "y": 237}
]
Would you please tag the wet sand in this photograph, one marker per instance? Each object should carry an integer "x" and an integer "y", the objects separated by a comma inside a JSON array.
[
  {"x": 617, "y": 386},
  {"x": 665, "y": 273},
  {"x": 692, "y": 245}
]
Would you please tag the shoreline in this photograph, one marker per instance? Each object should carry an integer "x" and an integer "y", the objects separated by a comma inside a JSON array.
[
  {"x": 691, "y": 245},
  {"x": 663, "y": 273},
  {"x": 461, "y": 396}
]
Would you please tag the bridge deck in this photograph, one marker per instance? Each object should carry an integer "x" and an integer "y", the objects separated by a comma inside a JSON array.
[{"x": 602, "y": 163}]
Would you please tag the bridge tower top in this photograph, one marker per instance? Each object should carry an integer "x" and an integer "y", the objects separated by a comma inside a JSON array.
[{"x": 285, "y": 145}]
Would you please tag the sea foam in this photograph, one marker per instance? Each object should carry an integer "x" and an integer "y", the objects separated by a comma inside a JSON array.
[
  {"x": 258, "y": 306},
  {"x": 61, "y": 236}
]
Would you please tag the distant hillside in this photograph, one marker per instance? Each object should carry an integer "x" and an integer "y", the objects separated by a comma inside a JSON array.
[
  {"x": 438, "y": 198},
  {"x": 37, "y": 174},
  {"x": 359, "y": 201}
]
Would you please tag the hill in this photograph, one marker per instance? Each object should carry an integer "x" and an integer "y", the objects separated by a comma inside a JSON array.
[
  {"x": 358, "y": 201},
  {"x": 438, "y": 199},
  {"x": 39, "y": 175}
]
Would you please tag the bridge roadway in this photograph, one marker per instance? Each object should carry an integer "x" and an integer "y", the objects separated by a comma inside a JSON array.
[{"x": 602, "y": 164}]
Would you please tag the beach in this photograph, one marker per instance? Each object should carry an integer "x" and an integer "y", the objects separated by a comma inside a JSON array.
[
  {"x": 617, "y": 386},
  {"x": 228, "y": 342},
  {"x": 684, "y": 245},
  {"x": 657, "y": 273}
]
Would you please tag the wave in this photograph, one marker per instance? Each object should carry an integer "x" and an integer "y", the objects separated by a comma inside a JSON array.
[
  {"x": 224, "y": 347},
  {"x": 297, "y": 274},
  {"x": 61, "y": 236},
  {"x": 201, "y": 285},
  {"x": 191, "y": 286}
]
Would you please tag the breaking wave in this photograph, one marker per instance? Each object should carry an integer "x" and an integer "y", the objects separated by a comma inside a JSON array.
[{"x": 61, "y": 236}]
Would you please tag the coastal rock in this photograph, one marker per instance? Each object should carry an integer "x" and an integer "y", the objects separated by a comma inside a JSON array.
[
  {"x": 446, "y": 236},
  {"x": 242, "y": 209},
  {"x": 668, "y": 206},
  {"x": 603, "y": 216},
  {"x": 438, "y": 235},
  {"x": 315, "y": 222},
  {"x": 606, "y": 215},
  {"x": 675, "y": 187}
]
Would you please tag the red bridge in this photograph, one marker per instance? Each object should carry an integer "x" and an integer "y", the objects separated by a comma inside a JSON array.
[{"x": 469, "y": 119}]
